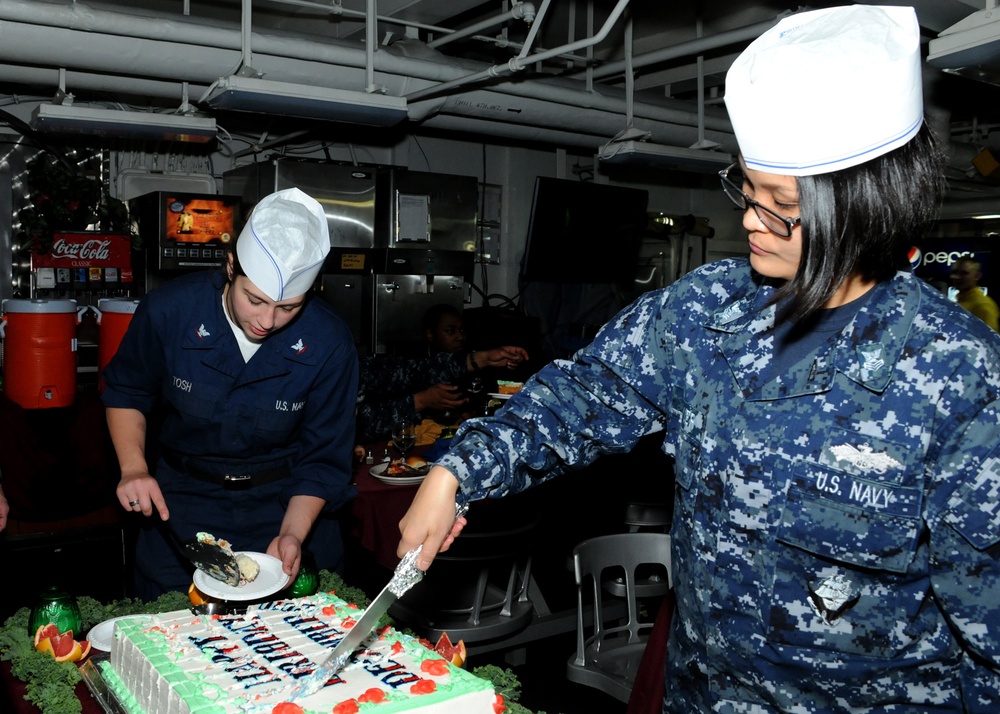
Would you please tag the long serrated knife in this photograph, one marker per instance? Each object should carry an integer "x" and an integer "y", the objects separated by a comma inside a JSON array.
[{"x": 406, "y": 575}]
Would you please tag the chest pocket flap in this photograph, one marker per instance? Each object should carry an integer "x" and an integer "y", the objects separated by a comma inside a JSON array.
[{"x": 860, "y": 522}]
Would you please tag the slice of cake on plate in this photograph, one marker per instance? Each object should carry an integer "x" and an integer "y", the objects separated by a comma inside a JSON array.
[{"x": 181, "y": 663}]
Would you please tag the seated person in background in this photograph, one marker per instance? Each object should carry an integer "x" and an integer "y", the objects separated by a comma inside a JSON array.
[
  {"x": 444, "y": 330},
  {"x": 393, "y": 388}
]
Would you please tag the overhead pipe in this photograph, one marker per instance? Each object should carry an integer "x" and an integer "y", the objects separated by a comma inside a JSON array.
[
  {"x": 516, "y": 64},
  {"x": 503, "y": 42},
  {"x": 542, "y": 135},
  {"x": 339, "y": 9},
  {"x": 690, "y": 48},
  {"x": 204, "y": 64},
  {"x": 199, "y": 64},
  {"x": 520, "y": 11},
  {"x": 155, "y": 88},
  {"x": 203, "y": 47},
  {"x": 481, "y": 107},
  {"x": 483, "y": 104},
  {"x": 534, "y": 29},
  {"x": 102, "y": 83}
]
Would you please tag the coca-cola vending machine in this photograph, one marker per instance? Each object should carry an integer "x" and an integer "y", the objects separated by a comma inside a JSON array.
[{"x": 85, "y": 266}]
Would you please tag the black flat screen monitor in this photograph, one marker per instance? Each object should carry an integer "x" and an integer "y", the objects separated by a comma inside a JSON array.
[{"x": 583, "y": 232}]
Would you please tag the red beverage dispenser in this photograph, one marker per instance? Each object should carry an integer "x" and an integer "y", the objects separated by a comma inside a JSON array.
[
  {"x": 113, "y": 318},
  {"x": 39, "y": 342}
]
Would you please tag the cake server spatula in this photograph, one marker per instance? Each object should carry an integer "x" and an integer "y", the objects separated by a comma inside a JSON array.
[
  {"x": 406, "y": 575},
  {"x": 207, "y": 555},
  {"x": 214, "y": 560}
]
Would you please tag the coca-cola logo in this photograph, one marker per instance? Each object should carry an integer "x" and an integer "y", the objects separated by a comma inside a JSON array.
[{"x": 93, "y": 249}]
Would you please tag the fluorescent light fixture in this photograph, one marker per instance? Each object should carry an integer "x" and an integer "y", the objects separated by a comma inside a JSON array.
[
  {"x": 970, "y": 47},
  {"x": 263, "y": 96},
  {"x": 74, "y": 119},
  {"x": 643, "y": 153}
]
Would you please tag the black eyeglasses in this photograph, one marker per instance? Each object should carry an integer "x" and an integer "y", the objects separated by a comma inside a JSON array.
[{"x": 777, "y": 224}]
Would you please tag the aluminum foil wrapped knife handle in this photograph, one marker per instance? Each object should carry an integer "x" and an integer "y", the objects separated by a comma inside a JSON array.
[{"x": 406, "y": 575}]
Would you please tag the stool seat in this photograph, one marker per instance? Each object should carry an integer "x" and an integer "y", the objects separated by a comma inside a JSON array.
[{"x": 655, "y": 516}]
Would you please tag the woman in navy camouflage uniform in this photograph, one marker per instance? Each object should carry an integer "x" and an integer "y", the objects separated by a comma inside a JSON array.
[{"x": 834, "y": 419}]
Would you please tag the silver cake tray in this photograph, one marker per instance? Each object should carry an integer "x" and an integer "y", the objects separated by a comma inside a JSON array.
[{"x": 99, "y": 689}]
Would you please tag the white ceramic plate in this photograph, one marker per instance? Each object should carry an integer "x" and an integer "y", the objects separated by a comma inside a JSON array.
[
  {"x": 270, "y": 580},
  {"x": 101, "y": 635},
  {"x": 503, "y": 397},
  {"x": 378, "y": 474}
]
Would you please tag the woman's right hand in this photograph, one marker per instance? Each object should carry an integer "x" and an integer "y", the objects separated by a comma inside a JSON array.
[
  {"x": 141, "y": 487},
  {"x": 441, "y": 397},
  {"x": 430, "y": 521}
]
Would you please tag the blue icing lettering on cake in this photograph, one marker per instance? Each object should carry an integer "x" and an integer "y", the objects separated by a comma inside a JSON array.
[{"x": 181, "y": 663}]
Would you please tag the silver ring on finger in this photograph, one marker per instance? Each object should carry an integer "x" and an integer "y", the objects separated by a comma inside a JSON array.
[{"x": 133, "y": 504}]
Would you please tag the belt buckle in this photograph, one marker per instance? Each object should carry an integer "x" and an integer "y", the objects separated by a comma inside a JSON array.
[{"x": 238, "y": 480}]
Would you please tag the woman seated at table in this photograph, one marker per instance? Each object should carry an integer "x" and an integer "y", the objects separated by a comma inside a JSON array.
[{"x": 393, "y": 389}]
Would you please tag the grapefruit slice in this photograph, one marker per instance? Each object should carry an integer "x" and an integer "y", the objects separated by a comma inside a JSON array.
[
  {"x": 84, "y": 649},
  {"x": 59, "y": 646},
  {"x": 455, "y": 654},
  {"x": 43, "y": 631},
  {"x": 74, "y": 654}
]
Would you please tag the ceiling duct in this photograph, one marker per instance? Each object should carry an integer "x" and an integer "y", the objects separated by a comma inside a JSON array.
[{"x": 38, "y": 48}]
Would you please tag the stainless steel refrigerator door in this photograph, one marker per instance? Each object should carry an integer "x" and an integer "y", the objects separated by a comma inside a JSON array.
[{"x": 347, "y": 193}]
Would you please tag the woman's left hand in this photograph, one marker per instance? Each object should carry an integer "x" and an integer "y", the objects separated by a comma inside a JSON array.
[
  {"x": 299, "y": 517},
  {"x": 287, "y": 549}
]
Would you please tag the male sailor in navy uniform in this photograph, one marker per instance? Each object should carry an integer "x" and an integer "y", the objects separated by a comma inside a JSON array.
[
  {"x": 255, "y": 383},
  {"x": 835, "y": 420}
]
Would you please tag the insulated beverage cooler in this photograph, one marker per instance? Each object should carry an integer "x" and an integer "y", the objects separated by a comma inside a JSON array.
[
  {"x": 39, "y": 351},
  {"x": 113, "y": 318}
]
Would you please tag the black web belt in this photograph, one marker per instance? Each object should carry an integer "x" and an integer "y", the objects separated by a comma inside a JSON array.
[{"x": 236, "y": 478}]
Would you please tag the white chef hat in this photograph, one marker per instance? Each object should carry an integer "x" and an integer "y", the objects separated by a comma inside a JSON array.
[
  {"x": 284, "y": 243},
  {"x": 827, "y": 89}
]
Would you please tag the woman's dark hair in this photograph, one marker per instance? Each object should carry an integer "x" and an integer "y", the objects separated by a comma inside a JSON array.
[
  {"x": 434, "y": 314},
  {"x": 863, "y": 220}
]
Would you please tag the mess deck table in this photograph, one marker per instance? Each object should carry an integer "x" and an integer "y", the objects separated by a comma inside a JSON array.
[{"x": 378, "y": 508}]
